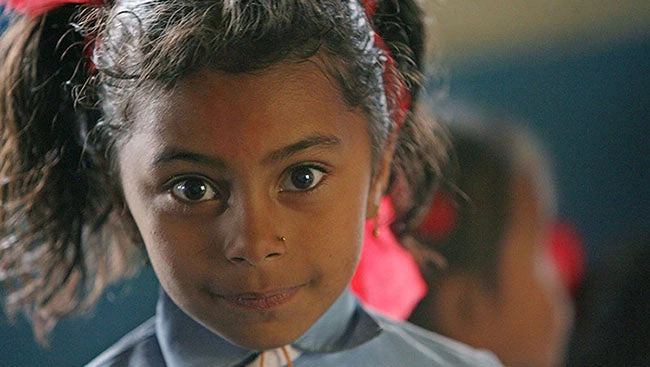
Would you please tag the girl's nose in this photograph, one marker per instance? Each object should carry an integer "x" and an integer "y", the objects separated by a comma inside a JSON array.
[
  {"x": 255, "y": 252},
  {"x": 256, "y": 240}
]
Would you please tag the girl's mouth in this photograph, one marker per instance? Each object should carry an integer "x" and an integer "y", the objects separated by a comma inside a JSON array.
[{"x": 262, "y": 301}]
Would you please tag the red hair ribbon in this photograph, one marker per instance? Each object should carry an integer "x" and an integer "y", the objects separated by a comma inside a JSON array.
[
  {"x": 566, "y": 248},
  {"x": 393, "y": 85},
  {"x": 34, "y": 8},
  {"x": 387, "y": 278},
  {"x": 441, "y": 219}
]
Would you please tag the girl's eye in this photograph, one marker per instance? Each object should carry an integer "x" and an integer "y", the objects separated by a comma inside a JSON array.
[
  {"x": 193, "y": 190},
  {"x": 302, "y": 178}
]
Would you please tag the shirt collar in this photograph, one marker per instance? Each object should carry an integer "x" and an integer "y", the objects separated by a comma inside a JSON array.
[{"x": 184, "y": 341}]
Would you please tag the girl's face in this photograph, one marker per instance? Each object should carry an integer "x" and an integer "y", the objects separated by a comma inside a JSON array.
[{"x": 250, "y": 192}]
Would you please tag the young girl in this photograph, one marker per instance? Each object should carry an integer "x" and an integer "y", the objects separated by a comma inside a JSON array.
[
  {"x": 241, "y": 144},
  {"x": 494, "y": 284}
]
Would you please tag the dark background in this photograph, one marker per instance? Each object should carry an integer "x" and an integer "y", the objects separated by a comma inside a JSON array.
[{"x": 589, "y": 106}]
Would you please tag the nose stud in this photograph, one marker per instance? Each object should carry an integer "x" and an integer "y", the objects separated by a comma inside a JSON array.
[{"x": 282, "y": 238}]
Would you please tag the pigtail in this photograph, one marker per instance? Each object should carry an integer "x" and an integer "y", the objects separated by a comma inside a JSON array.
[
  {"x": 55, "y": 257},
  {"x": 421, "y": 156}
]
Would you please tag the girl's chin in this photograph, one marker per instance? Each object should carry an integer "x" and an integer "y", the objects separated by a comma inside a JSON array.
[{"x": 262, "y": 330}]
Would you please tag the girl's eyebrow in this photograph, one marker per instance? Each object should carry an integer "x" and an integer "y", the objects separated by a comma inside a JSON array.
[
  {"x": 292, "y": 149},
  {"x": 175, "y": 154}
]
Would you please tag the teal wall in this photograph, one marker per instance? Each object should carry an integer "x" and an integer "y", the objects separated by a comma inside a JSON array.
[{"x": 592, "y": 112}]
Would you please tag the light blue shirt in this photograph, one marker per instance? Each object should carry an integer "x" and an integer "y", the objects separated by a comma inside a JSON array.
[{"x": 346, "y": 335}]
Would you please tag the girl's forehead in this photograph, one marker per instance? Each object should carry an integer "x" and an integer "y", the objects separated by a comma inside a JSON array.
[
  {"x": 240, "y": 113},
  {"x": 262, "y": 92}
]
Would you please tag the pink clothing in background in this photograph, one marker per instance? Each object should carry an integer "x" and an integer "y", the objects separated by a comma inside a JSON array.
[{"x": 387, "y": 279}]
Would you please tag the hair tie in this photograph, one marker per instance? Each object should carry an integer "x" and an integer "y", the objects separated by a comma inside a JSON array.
[{"x": 393, "y": 85}]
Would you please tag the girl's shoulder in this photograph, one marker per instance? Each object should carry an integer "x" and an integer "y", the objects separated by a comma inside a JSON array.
[
  {"x": 138, "y": 348},
  {"x": 408, "y": 344}
]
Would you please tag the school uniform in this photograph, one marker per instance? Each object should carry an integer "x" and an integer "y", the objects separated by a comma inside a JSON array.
[{"x": 346, "y": 335}]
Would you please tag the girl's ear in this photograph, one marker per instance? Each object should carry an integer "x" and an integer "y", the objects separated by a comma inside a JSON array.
[
  {"x": 124, "y": 213},
  {"x": 381, "y": 175},
  {"x": 131, "y": 227}
]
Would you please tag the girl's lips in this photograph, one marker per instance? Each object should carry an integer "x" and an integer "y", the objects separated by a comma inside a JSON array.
[{"x": 262, "y": 301}]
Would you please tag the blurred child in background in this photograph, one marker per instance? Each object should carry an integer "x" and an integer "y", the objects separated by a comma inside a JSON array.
[{"x": 492, "y": 282}]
